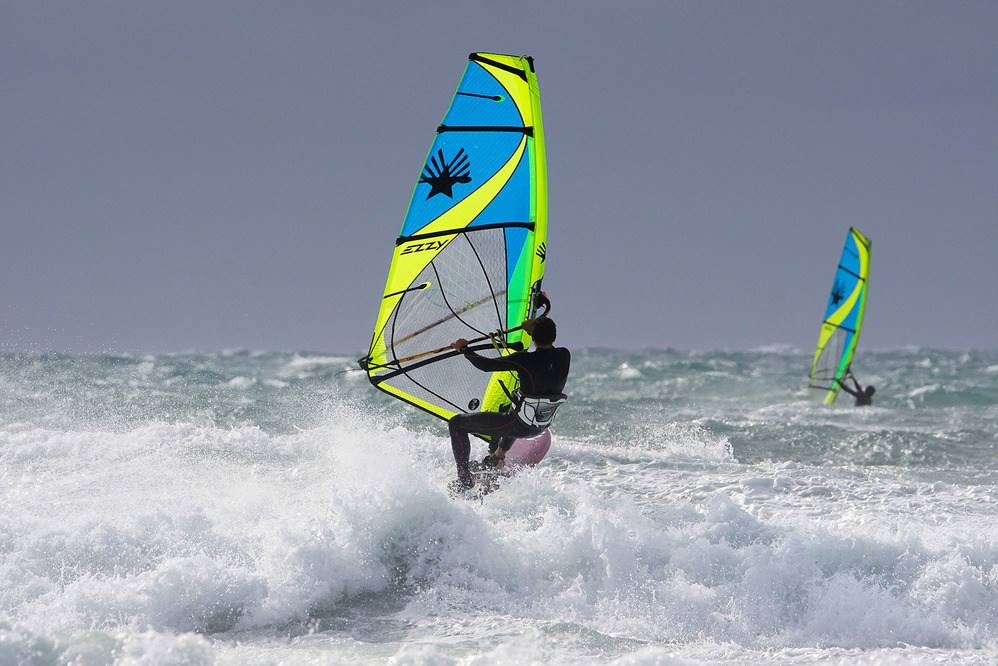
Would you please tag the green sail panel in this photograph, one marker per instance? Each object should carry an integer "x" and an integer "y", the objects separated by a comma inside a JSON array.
[
  {"x": 843, "y": 320},
  {"x": 470, "y": 255}
]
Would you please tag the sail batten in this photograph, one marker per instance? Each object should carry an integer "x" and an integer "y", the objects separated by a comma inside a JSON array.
[
  {"x": 529, "y": 131},
  {"x": 406, "y": 239},
  {"x": 843, "y": 319},
  {"x": 470, "y": 255}
]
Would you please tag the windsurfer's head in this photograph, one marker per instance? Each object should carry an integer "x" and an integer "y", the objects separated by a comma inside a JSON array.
[
  {"x": 870, "y": 391},
  {"x": 544, "y": 331}
]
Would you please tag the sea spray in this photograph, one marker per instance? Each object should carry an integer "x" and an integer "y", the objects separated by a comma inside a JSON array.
[{"x": 695, "y": 507}]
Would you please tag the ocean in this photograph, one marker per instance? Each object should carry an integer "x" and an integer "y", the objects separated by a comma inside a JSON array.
[{"x": 270, "y": 508}]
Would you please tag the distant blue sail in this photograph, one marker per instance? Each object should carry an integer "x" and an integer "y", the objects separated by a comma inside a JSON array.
[{"x": 843, "y": 319}]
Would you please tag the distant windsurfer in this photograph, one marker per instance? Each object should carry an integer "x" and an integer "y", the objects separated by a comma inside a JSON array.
[
  {"x": 542, "y": 374},
  {"x": 863, "y": 396}
]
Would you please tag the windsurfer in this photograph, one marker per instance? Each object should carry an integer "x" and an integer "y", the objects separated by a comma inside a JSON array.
[
  {"x": 542, "y": 374},
  {"x": 863, "y": 396}
]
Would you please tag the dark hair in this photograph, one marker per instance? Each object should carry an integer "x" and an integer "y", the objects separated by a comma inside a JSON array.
[{"x": 544, "y": 331}]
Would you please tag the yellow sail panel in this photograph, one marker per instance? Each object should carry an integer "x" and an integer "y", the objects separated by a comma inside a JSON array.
[{"x": 471, "y": 252}]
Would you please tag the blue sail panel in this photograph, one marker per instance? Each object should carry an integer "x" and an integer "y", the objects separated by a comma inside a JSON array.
[
  {"x": 455, "y": 165},
  {"x": 482, "y": 130},
  {"x": 481, "y": 100}
]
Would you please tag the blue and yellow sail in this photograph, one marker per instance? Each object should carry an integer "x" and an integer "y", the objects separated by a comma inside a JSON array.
[
  {"x": 843, "y": 319},
  {"x": 470, "y": 256}
]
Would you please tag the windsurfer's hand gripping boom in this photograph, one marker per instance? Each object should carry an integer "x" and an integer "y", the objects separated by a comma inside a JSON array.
[
  {"x": 483, "y": 338},
  {"x": 461, "y": 343},
  {"x": 541, "y": 300}
]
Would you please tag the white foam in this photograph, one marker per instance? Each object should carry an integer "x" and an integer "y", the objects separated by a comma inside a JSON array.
[
  {"x": 626, "y": 371},
  {"x": 651, "y": 540}
]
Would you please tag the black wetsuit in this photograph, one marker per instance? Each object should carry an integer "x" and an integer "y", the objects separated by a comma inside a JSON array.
[
  {"x": 862, "y": 397},
  {"x": 541, "y": 372}
]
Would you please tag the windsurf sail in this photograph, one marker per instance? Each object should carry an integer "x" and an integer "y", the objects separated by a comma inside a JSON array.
[
  {"x": 843, "y": 320},
  {"x": 469, "y": 260}
]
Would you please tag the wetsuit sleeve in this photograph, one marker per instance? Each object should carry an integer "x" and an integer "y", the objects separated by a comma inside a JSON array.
[
  {"x": 491, "y": 364},
  {"x": 847, "y": 389}
]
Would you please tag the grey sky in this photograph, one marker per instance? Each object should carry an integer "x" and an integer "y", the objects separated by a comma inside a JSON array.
[{"x": 178, "y": 176}]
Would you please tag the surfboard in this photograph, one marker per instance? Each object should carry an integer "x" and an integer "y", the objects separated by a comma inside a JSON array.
[
  {"x": 469, "y": 260},
  {"x": 524, "y": 453},
  {"x": 529, "y": 451}
]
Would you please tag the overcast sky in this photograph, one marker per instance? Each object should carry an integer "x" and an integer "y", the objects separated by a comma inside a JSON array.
[{"x": 204, "y": 176}]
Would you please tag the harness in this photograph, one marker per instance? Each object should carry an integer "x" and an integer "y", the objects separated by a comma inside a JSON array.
[{"x": 536, "y": 411}]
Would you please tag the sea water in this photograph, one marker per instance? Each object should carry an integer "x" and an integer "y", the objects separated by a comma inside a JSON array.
[{"x": 695, "y": 508}]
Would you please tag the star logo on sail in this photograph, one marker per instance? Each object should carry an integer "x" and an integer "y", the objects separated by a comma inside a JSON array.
[
  {"x": 542, "y": 252},
  {"x": 837, "y": 293},
  {"x": 442, "y": 175}
]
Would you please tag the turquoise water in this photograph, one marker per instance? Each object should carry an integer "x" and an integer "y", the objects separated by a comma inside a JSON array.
[{"x": 267, "y": 508}]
